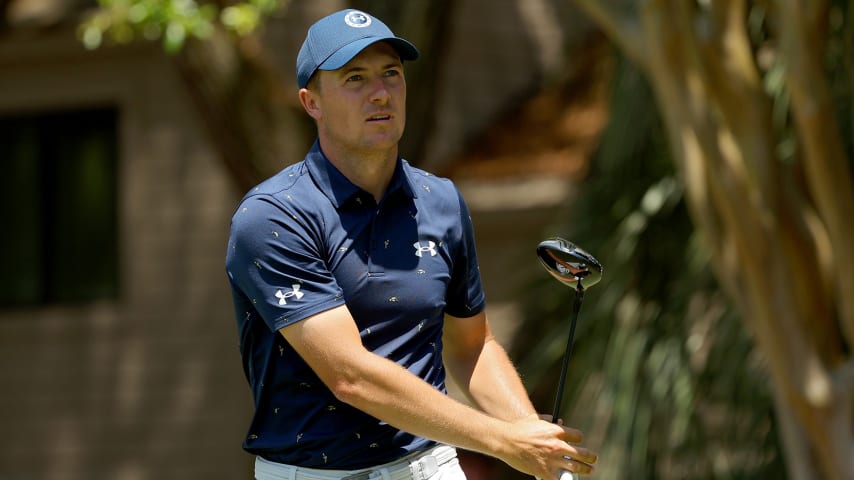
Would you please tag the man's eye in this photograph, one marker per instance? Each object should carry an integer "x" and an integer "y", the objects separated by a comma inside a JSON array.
[
  {"x": 354, "y": 78},
  {"x": 392, "y": 73}
]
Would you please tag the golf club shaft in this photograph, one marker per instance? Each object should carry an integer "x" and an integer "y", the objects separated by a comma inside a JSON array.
[{"x": 576, "y": 307}]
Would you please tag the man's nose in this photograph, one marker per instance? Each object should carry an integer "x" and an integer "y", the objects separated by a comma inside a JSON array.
[{"x": 379, "y": 92}]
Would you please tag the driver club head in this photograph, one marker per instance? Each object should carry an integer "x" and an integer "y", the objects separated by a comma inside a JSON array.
[{"x": 568, "y": 263}]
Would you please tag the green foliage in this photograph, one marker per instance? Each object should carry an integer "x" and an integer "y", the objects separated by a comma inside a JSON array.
[
  {"x": 171, "y": 21},
  {"x": 663, "y": 381}
]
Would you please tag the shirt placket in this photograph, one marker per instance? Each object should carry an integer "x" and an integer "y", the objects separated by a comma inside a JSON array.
[{"x": 375, "y": 243}]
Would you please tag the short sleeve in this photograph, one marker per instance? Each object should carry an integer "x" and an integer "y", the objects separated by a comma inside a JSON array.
[
  {"x": 465, "y": 296},
  {"x": 276, "y": 261}
]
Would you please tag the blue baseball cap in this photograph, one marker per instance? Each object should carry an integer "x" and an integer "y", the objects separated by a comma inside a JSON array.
[{"x": 334, "y": 40}]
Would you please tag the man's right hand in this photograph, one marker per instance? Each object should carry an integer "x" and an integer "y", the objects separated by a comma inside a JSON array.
[{"x": 544, "y": 449}]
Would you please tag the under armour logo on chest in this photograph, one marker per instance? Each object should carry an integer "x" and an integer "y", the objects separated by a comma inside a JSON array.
[
  {"x": 283, "y": 296},
  {"x": 420, "y": 249}
]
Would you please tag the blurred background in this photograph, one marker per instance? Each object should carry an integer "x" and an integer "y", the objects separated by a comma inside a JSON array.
[{"x": 702, "y": 151}]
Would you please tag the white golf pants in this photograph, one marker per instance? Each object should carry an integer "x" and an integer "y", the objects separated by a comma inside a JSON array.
[{"x": 438, "y": 463}]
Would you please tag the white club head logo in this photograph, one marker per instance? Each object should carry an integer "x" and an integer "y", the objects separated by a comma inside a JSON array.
[
  {"x": 283, "y": 296},
  {"x": 357, "y": 19},
  {"x": 420, "y": 249}
]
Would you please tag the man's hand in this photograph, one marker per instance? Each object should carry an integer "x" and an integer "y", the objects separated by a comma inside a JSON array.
[{"x": 544, "y": 449}]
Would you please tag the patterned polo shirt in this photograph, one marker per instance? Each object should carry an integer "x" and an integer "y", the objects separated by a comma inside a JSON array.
[{"x": 308, "y": 240}]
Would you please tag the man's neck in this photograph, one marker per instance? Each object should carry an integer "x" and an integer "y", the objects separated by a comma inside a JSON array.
[{"x": 370, "y": 171}]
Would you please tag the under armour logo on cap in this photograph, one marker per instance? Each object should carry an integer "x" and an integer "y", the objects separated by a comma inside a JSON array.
[
  {"x": 357, "y": 19},
  {"x": 335, "y": 39}
]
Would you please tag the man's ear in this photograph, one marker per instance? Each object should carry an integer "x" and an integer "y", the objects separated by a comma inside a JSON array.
[{"x": 309, "y": 103}]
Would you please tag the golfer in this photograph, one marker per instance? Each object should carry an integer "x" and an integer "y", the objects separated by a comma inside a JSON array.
[{"x": 352, "y": 273}]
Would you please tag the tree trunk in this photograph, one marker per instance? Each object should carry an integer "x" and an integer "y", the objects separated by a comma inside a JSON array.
[
  {"x": 778, "y": 231},
  {"x": 256, "y": 124}
]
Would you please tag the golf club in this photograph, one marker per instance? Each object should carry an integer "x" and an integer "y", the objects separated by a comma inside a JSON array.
[{"x": 577, "y": 269}]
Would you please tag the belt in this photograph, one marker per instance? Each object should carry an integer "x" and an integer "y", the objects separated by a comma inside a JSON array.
[{"x": 416, "y": 466}]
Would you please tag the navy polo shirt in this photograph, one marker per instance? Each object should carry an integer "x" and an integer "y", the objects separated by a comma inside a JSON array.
[{"x": 308, "y": 240}]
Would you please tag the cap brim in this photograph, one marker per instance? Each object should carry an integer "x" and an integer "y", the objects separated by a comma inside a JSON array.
[{"x": 406, "y": 50}]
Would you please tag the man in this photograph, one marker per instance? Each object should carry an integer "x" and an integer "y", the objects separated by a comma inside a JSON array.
[{"x": 352, "y": 272}]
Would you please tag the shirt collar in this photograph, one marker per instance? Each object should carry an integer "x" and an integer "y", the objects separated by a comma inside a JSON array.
[{"x": 339, "y": 189}]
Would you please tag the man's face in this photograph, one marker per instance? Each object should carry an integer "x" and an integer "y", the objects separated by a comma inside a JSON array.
[{"x": 362, "y": 105}]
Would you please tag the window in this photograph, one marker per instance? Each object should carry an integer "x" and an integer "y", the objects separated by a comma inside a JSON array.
[{"x": 58, "y": 191}]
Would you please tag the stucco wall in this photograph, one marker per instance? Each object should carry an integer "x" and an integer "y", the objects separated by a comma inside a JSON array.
[{"x": 147, "y": 386}]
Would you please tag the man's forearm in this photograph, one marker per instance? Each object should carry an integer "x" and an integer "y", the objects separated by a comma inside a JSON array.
[
  {"x": 386, "y": 390},
  {"x": 482, "y": 369},
  {"x": 392, "y": 394},
  {"x": 495, "y": 384}
]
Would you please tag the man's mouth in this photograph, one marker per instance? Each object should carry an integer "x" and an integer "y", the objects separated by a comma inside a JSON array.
[{"x": 377, "y": 118}]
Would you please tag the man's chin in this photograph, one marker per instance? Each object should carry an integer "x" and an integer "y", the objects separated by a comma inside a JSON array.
[{"x": 383, "y": 141}]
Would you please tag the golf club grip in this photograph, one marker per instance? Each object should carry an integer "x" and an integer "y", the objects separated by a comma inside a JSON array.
[{"x": 564, "y": 475}]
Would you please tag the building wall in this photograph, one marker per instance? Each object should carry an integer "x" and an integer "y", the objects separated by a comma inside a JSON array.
[{"x": 147, "y": 386}]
